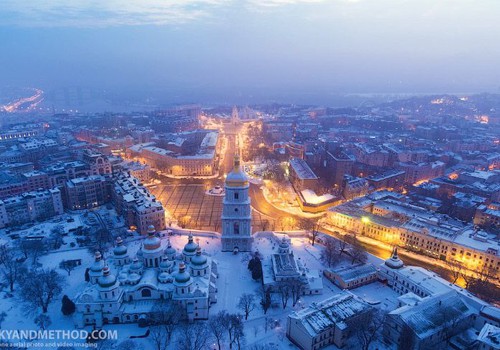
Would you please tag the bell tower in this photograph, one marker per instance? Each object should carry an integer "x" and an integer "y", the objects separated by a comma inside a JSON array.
[{"x": 236, "y": 212}]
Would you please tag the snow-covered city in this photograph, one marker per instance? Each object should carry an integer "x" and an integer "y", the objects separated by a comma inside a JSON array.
[{"x": 250, "y": 175}]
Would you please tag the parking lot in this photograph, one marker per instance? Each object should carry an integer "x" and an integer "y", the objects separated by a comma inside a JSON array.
[{"x": 201, "y": 211}]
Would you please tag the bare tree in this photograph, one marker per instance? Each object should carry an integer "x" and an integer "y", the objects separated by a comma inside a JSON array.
[
  {"x": 32, "y": 248},
  {"x": 367, "y": 331},
  {"x": 56, "y": 237},
  {"x": 483, "y": 284},
  {"x": 281, "y": 223},
  {"x": 39, "y": 288},
  {"x": 247, "y": 304},
  {"x": 101, "y": 239},
  {"x": 233, "y": 326},
  {"x": 310, "y": 225},
  {"x": 216, "y": 327},
  {"x": 193, "y": 337},
  {"x": 329, "y": 253},
  {"x": 297, "y": 288},
  {"x": 469, "y": 279},
  {"x": 358, "y": 253},
  {"x": 10, "y": 266},
  {"x": 343, "y": 246},
  {"x": 284, "y": 291},
  {"x": 67, "y": 265},
  {"x": 159, "y": 338},
  {"x": 455, "y": 269},
  {"x": 168, "y": 314}
]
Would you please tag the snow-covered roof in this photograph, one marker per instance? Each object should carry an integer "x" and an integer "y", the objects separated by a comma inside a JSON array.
[
  {"x": 490, "y": 335},
  {"x": 433, "y": 313},
  {"x": 332, "y": 312}
]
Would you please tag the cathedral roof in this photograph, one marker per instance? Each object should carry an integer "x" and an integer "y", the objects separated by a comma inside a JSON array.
[
  {"x": 198, "y": 259},
  {"x": 98, "y": 264},
  {"x": 182, "y": 277},
  {"x": 120, "y": 248},
  {"x": 151, "y": 242},
  {"x": 170, "y": 251},
  {"x": 237, "y": 177},
  {"x": 107, "y": 279},
  {"x": 190, "y": 247}
]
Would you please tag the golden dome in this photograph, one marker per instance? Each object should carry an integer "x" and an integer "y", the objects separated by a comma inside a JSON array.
[{"x": 237, "y": 177}]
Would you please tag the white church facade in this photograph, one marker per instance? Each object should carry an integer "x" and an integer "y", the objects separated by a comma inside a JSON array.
[
  {"x": 236, "y": 212},
  {"x": 125, "y": 289}
]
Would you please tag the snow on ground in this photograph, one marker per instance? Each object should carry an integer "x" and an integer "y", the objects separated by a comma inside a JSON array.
[{"x": 234, "y": 280}]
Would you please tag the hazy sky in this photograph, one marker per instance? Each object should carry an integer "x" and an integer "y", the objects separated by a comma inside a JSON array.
[{"x": 252, "y": 46}]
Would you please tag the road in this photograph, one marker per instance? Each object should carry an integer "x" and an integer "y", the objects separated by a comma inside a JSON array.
[
  {"x": 383, "y": 252},
  {"x": 260, "y": 204}
]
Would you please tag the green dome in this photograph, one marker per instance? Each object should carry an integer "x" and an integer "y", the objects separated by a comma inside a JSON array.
[
  {"x": 107, "y": 279},
  {"x": 182, "y": 276},
  {"x": 120, "y": 249},
  {"x": 198, "y": 259},
  {"x": 190, "y": 247},
  {"x": 98, "y": 264}
]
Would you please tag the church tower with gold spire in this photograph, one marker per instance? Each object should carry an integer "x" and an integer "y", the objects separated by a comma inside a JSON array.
[{"x": 236, "y": 212}]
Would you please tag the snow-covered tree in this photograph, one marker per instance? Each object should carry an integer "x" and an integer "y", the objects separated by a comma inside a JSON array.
[
  {"x": 193, "y": 337},
  {"x": 10, "y": 266},
  {"x": 330, "y": 253},
  {"x": 39, "y": 288},
  {"x": 168, "y": 315},
  {"x": 216, "y": 327},
  {"x": 247, "y": 304},
  {"x": 158, "y": 336}
]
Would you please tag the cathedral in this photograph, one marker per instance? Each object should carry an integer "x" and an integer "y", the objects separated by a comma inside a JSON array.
[
  {"x": 236, "y": 212},
  {"x": 125, "y": 289}
]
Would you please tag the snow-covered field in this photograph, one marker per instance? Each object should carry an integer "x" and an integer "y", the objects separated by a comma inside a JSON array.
[{"x": 234, "y": 280}]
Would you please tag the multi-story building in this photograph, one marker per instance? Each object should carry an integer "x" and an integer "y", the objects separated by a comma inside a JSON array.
[
  {"x": 86, "y": 192},
  {"x": 488, "y": 216},
  {"x": 139, "y": 208},
  {"x": 419, "y": 230},
  {"x": 61, "y": 172},
  {"x": 302, "y": 176},
  {"x": 417, "y": 172},
  {"x": 189, "y": 154},
  {"x": 36, "y": 180},
  {"x": 429, "y": 323},
  {"x": 97, "y": 162},
  {"x": 339, "y": 164},
  {"x": 371, "y": 155},
  {"x": 328, "y": 322},
  {"x": 354, "y": 187},
  {"x": 388, "y": 180},
  {"x": 30, "y": 206}
]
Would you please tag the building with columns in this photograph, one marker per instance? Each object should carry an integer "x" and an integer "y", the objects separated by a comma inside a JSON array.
[{"x": 236, "y": 212}]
